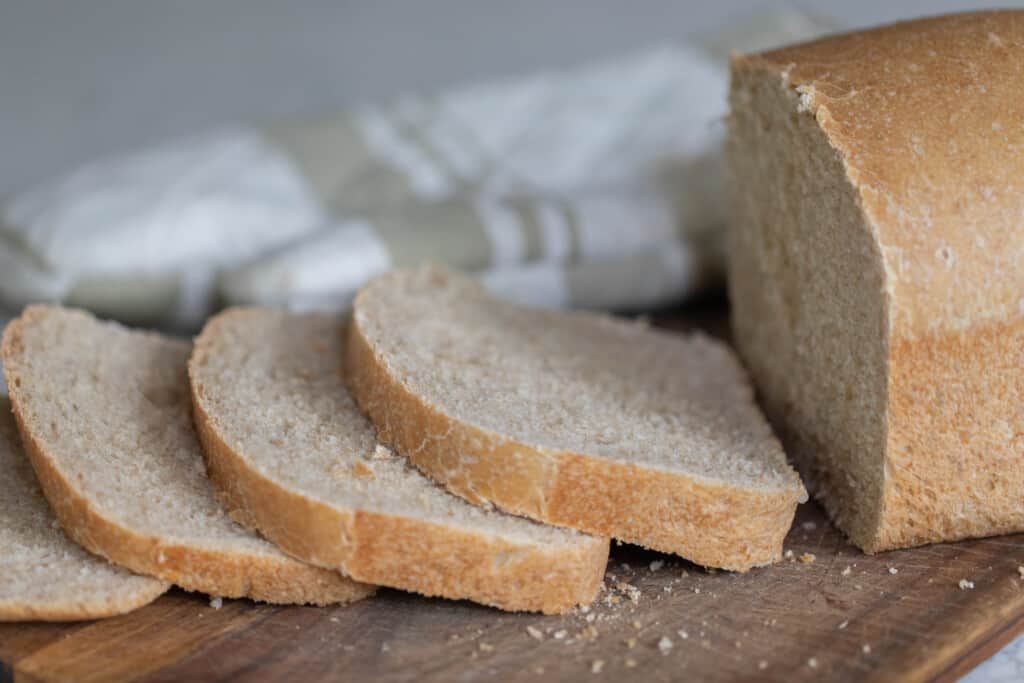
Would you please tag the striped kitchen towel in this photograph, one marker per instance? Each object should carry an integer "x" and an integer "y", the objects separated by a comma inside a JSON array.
[{"x": 594, "y": 187}]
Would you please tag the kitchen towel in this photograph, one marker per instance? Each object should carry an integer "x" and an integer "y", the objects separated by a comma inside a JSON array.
[{"x": 597, "y": 187}]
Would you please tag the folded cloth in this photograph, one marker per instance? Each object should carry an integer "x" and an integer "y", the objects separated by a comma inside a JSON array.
[{"x": 597, "y": 186}]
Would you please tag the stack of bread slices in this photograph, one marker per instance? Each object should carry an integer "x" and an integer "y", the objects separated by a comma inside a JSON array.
[{"x": 437, "y": 440}]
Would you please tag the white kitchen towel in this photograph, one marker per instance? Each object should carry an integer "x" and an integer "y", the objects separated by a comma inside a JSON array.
[{"x": 598, "y": 186}]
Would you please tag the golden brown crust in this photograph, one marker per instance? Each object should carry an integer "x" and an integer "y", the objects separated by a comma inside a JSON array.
[
  {"x": 83, "y": 608},
  {"x": 925, "y": 118},
  {"x": 702, "y": 521},
  {"x": 926, "y": 115},
  {"x": 409, "y": 554},
  {"x": 215, "y": 572}
]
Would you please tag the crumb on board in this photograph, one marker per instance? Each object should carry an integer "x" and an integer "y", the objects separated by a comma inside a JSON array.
[
  {"x": 682, "y": 634},
  {"x": 843, "y": 624},
  {"x": 865, "y": 648},
  {"x": 630, "y": 663},
  {"x": 788, "y": 555},
  {"x": 656, "y": 565},
  {"x": 597, "y": 666},
  {"x": 1020, "y": 570},
  {"x": 665, "y": 645},
  {"x": 381, "y": 452},
  {"x": 847, "y": 571},
  {"x": 807, "y": 558},
  {"x": 813, "y": 662},
  {"x": 965, "y": 584},
  {"x": 216, "y": 603},
  {"x": 560, "y": 634},
  {"x": 486, "y": 647},
  {"x": 384, "y": 647},
  {"x": 809, "y": 526},
  {"x": 894, "y": 570},
  {"x": 637, "y": 625},
  {"x": 535, "y": 632},
  {"x": 762, "y": 665},
  {"x": 630, "y": 643}
]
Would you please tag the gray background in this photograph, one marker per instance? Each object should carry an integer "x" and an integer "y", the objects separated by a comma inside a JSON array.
[{"x": 81, "y": 79}]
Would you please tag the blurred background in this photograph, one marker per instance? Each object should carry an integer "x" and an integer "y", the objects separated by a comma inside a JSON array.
[{"x": 84, "y": 79}]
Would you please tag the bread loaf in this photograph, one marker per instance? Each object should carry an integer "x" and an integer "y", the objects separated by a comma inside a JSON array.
[
  {"x": 579, "y": 420},
  {"x": 105, "y": 416},
  {"x": 877, "y": 269},
  {"x": 293, "y": 456}
]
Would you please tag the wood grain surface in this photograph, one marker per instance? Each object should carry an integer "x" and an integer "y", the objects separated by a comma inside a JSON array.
[{"x": 826, "y": 613}]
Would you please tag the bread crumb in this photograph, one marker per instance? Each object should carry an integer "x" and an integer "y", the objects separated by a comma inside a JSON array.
[
  {"x": 597, "y": 666},
  {"x": 585, "y": 609},
  {"x": 630, "y": 643},
  {"x": 637, "y": 625},
  {"x": 788, "y": 555},
  {"x": 630, "y": 663},
  {"x": 535, "y": 632},
  {"x": 813, "y": 662},
  {"x": 486, "y": 647},
  {"x": 216, "y": 603},
  {"x": 560, "y": 634},
  {"x": 965, "y": 584},
  {"x": 590, "y": 618},
  {"x": 665, "y": 645},
  {"x": 696, "y": 590},
  {"x": 1020, "y": 570},
  {"x": 381, "y": 452},
  {"x": 847, "y": 571},
  {"x": 361, "y": 470},
  {"x": 807, "y": 558},
  {"x": 683, "y": 634},
  {"x": 335, "y": 620},
  {"x": 809, "y": 526},
  {"x": 384, "y": 647},
  {"x": 843, "y": 624},
  {"x": 893, "y": 570},
  {"x": 656, "y": 565},
  {"x": 538, "y": 670},
  {"x": 866, "y": 649},
  {"x": 762, "y": 665},
  {"x": 589, "y": 633}
]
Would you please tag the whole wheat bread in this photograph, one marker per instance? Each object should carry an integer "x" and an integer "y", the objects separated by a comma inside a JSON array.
[
  {"x": 876, "y": 277},
  {"x": 105, "y": 416},
  {"x": 292, "y": 454},
  {"x": 575, "y": 419},
  {"x": 43, "y": 575}
]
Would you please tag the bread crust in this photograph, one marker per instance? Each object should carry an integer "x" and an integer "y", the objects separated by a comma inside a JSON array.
[
  {"x": 409, "y": 554},
  {"x": 214, "y": 572},
  {"x": 925, "y": 118},
  {"x": 83, "y": 608},
  {"x": 704, "y": 521}
]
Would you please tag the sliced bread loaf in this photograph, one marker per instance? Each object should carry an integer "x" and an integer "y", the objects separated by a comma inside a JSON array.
[
  {"x": 292, "y": 454},
  {"x": 575, "y": 419},
  {"x": 876, "y": 250},
  {"x": 105, "y": 416},
  {"x": 43, "y": 575}
]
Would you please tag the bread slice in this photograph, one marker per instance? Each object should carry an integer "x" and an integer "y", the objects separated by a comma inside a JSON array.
[
  {"x": 575, "y": 419},
  {"x": 104, "y": 413},
  {"x": 293, "y": 455},
  {"x": 43, "y": 574},
  {"x": 876, "y": 246}
]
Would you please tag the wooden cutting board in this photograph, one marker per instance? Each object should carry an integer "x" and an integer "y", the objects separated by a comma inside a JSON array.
[{"x": 827, "y": 613}]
